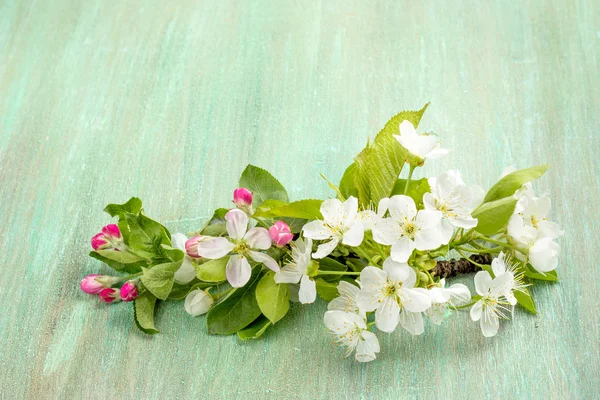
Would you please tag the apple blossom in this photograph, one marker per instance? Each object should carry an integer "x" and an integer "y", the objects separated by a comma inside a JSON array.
[
  {"x": 406, "y": 229},
  {"x": 242, "y": 244},
  {"x": 351, "y": 331},
  {"x": 296, "y": 271},
  {"x": 339, "y": 224}
]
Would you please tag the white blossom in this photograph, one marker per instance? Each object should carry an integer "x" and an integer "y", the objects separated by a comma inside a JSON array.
[
  {"x": 406, "y": 229},
  {"x": 422, "y": 146},
  {"x": 391, "y": 293},
  {"x": 351, "y": 331},
  {"x": 186, "y": 273},
  {"x": 242, "y": 244},
  {"x": 339, "y": 225},
  {"x": 296, "y": 271},
  {"x": 492, "y": 305},
  {"x": 454, "y": 200},
  {"x": 443, "y": 297}
]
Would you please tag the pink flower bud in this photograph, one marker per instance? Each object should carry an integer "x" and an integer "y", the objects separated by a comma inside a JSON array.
[
  {"x": 109, "y": 295},
  {"x": 90, "y": 284},
  {"x": 110, "y": 237},
  {"x": 191, "y": 246},
  {"x": 242, "y": 198},
  {"x": 280, "y": 233},
  {"x": 129, "y": 291},
  {"x": 98, "y": 242},
  {"x": 112, "y": 230}
]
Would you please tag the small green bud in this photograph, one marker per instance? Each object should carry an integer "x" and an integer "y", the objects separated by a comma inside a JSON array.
[{"x": 313, "y": 269}]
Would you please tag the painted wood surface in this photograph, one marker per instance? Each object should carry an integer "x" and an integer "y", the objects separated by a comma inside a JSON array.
[{"x": 100, "y": 101}]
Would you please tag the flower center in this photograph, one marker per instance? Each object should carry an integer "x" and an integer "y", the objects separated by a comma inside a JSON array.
[
  {"x": 410, "y": 229},
  {"x": 241, "y": 248}
]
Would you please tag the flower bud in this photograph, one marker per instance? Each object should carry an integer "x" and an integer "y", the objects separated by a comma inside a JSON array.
[
  {"x": 109, "y": 295},
  {"x": 90, "y": 285},
  {"x": 93, "y": 284},
  {"x": 191, "y": 246},
  {"x": 129, "y": 291},
  {"x": 110, "y": 237},
  {"x": 198, "y": 302},
  {"x": 280, "y": 233},
  {"x": 242, "y": 198},
  {"x": 112, "y": 230},
  {"x": 98, "y": 242}
]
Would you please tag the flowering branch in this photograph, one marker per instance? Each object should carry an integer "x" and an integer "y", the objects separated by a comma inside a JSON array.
[{"x": 374, "y": 252}]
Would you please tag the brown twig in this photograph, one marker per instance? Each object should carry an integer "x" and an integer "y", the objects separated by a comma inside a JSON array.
[{"x": 449, "y": 268}]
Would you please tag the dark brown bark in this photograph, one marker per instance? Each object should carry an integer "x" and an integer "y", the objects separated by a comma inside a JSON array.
[{"x": 447, "y": 269}]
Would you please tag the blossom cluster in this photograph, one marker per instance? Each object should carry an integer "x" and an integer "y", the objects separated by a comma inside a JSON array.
[{"x": 371, "y": 253}]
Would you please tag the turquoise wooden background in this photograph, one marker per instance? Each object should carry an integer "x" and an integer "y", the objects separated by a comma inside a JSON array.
[{"x": 100, "y": 101}]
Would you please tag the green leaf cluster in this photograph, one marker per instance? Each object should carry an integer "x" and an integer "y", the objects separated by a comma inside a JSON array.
[
  {"x": 376, "y": 169},
  {"x": 499, "y": 203}
]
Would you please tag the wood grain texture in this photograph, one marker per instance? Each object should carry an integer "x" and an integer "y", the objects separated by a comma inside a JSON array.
[{"x": 168, "y": 101}]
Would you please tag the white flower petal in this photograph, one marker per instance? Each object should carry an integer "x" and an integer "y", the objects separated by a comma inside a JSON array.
[
  {"x": 483, "y": 282},
  {"x": 412, "y": 322},
  {"x": 265, "y": 259},
  {"x": 427, "y": 219},
  {"x": 489, "y": 324},
  {"x": 402, "y": 249},
  {"x": 543, "y": 255},
  {"x": 387, "y": 315},
  {"x": 214, "y": 247},
  {"x": 428, "y": 239},
  {"x": 238, "y": 271},
  {"x": 186, "y": 273},
  {"x": 316, "y": 230},
  {"x": 288, "y": 274},
  {"x": 397, "y": 271},
  {"x": 401, "y": 207},
  {"x": 236, "y": 223},
  {"x": 323, "y": 250},
  {"x": 349, "y": 211},
  {"x": 339, "y": 322},
  {"x": 460, "y": 294},
  {"x": 416, "y": 299},
  {"x": 476, "y": 311},
  {"x": 308, "y": 290},
  {"x": 258, "y": 238},
  {"x": 178, "y": 241},
  {"x": 437, "y": 152},
  {"x": 354, "y": 236},
  {"x": 385, "y": 231},
  {"x": 367, "y": 346},
  {"x": 331, "y": 209}
]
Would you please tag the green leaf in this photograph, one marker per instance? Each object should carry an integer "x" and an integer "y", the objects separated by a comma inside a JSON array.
[
  {"x": 159, "y": 279},
  {"x": 143, "y": 312},
  {"x": 326, "y": 290},
  {"x": 179, "y": 292},
  {"x": 416, "y": 190},
  {"x": 172, "y": 253},
  {"x": 305, "y": 209},
  {"x": 133, "y": 206},
  {"x": 262, "y": 185},
  {"x": 238, "y": 310},
  {"x": 508, "y": 185},
  {"x": 551, "y": 276},
  {"x": 120, "y": 261},
  {"x": 380, "y": 163},
  {"x": 213, "y": 270},
  {"x": 494, "y": 215},
  {"x": 525, "y": 300},
  {"x": 145, "y": 234},
  {"x": 255, "y": 329},
  {"x": 347, "y": 184},
  {"x": 273, "y": 298}
]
